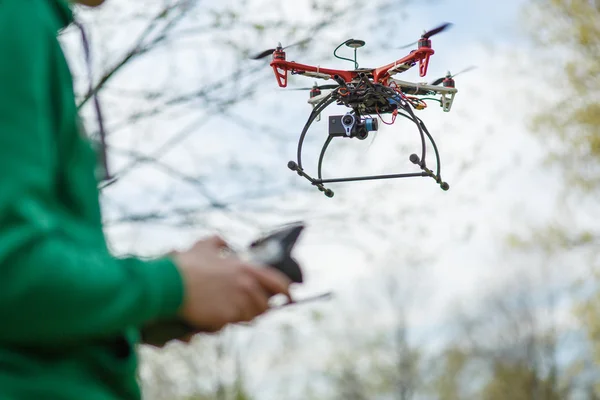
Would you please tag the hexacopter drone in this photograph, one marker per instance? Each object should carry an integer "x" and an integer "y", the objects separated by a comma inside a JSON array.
[{"x": 368, "y": 92}]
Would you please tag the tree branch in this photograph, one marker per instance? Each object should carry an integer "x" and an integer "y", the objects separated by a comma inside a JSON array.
[{"x": 139, "y": 48}]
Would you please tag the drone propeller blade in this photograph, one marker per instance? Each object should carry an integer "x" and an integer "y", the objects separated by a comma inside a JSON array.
[
  {"x": 266, "y": 53},
  {"x": 440, "y": 80},
  {"x": 331, "y": 86},
  {"x": 263, "y": 54},
  {"x": 437, "y": 81},
  {"x": 437, "y": 30},
  {"x": 472, "y": 67},
  {"x": 299, "y": 43},
  {"x": 429, "y": 34},
  {"x": 407, "y": 46},
  {"x": 322, "y": 87}
]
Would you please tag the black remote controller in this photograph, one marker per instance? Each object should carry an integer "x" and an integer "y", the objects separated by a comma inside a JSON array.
[{"x": 273, "y": 249}]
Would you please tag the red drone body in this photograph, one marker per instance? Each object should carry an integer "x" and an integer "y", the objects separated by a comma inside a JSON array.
[{"x": 281, "y": 68}]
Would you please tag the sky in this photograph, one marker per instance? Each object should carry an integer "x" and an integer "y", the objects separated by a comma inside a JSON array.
[{"x": 444, "y": 248}]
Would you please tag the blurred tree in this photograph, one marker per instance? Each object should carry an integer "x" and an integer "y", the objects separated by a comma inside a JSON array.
[
  {"x": 518, "y": 381},
  {"x": 448, "y": 374},
  {"x": 372, "y": 370},
  {"x": 567, "y": 35},
  {"x": 510, "y": 345},
  {"x": 379, "y": 358}
]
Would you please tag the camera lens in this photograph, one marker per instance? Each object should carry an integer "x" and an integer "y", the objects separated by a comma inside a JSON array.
[
  {"x": 362, "y": 133},
  {"x": 347, "y": 120}
]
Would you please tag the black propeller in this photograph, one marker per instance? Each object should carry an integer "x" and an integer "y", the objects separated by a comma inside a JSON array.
[
  {"x": 322, "y": 87},
  {"x": 437, "y": 30},
  {"x": 266, "y": 53},
  {"x": 430, "y": 33},
  {"x": 440, "y": 80}
]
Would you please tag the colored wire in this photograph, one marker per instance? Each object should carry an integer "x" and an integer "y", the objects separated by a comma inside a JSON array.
[{"x": 431, "y": 98}]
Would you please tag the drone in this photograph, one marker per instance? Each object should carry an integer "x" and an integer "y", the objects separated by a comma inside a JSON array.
[{"x": 369, "y": 93}]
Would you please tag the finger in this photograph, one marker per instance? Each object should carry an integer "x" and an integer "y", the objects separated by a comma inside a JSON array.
[
  {"x": 258, "y": 297},
  {"x": 213, "y": 330},
  {"x": 245, "y": 311},
  {"x": 253, "y": 300},
  {"x": 187, "y": 338},
  {"x": 209, "y": 329},
  {"x": 272, "y": 280},
  {"x": 217, "y": 241}
]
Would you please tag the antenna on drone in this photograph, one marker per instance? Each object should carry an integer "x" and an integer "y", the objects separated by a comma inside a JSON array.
[{"x": 353, "y": 44}]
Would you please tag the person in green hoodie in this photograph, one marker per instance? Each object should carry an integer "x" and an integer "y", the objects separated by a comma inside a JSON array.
[{"x": 71, "y": 314}]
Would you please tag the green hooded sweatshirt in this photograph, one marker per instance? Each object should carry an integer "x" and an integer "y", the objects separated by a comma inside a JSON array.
[{"x": 70, "y": 312}]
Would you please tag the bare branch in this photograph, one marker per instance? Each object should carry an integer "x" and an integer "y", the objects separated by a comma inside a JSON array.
[{"x": 140, "y": 48}]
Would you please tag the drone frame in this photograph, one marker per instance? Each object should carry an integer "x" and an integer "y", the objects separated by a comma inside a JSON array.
[
  {"x": 380, "y": 89},
  {"x": 281, "y": 67},
  {"x": 402, "y": 105}
]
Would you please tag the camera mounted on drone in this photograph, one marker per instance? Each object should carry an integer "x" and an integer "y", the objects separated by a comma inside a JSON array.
[{"x": 350, "y": 126}]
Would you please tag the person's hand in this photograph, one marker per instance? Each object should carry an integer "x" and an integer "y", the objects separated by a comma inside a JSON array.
[{"x": 220, "y": 290}]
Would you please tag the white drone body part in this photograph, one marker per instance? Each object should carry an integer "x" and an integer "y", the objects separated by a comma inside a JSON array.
[{"x": 447, "y": 93}]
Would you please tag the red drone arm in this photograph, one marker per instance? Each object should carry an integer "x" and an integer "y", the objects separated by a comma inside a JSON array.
[
  {"x": 421, "y": 56},
  {"x": 281, "y": 67}
]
